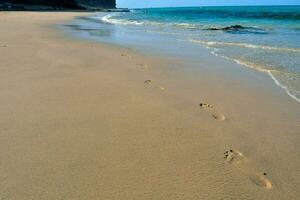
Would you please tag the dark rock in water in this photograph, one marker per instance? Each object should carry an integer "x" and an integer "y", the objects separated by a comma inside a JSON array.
[
  {"x": 239, "y": 29},
  {"x": 228, "y": 28},
  {"x": 233, "y": 28},
  {"x": 56, "y": 4}
]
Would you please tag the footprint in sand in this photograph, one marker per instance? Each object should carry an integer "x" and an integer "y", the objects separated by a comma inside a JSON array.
[
  {"x": 216, "y": 115},
  {"x": 147, "y": 81},
  {"x": 236, "y": 158},
  {"x": 125, "y": 55},
  {"x": 3, "y": 45},
  {"x": 143, "y": 67},
  {"x": 261, "y": 180},
  {"x": 150, "y": 82}
]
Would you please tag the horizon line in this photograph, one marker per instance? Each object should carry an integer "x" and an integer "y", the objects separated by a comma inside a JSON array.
[{"x": 211, "y": 6}]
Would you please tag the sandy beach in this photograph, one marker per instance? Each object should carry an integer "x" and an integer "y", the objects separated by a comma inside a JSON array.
[{"x": 85, "y": 120}]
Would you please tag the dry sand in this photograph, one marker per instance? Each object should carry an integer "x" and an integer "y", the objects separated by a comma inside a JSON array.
[{"x": 81, "y": 120}]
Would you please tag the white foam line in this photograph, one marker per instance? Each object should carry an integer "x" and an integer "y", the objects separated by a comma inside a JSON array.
[
  {"x": 283, "y": 87},
  {"x": 269, "y": 72},
  {"x": 245, "y": 45},
  {"x": 108, "y": 19}
]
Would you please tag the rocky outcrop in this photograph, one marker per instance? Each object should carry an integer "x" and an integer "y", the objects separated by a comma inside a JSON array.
[
  {"x": 97, "y": 3},
  {"x": 73, "y": 4}
]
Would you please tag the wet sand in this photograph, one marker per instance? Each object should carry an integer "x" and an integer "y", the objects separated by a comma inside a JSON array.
[{"x": 84, "y": 120}]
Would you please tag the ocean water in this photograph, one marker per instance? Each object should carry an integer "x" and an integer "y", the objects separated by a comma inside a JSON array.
[{"x": 265, "y": 38}]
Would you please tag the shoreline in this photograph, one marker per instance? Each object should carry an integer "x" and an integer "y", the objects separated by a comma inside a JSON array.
[
  {"x": 78, "y": 30},
  {"x": 85, "y": 120},
  {"x": 266, "y": 71}
]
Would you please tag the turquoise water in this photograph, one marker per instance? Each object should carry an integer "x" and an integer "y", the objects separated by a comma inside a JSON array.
[{"x": 265, "y": 38}]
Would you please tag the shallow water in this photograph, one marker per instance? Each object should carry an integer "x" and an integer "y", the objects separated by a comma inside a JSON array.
[{"x": 267, "y": 38}]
